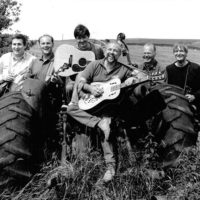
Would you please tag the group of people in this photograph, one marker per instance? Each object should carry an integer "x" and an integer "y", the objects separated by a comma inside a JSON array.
[{"x": 19, "y": 64}]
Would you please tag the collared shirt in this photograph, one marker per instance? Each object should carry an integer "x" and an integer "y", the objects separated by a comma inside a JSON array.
[
  {"x": 9, "y": 65},
  {"x": 96, "y": 72},
  {"x": 152, "y": 67},
  {"x": 42, "y": 69}
]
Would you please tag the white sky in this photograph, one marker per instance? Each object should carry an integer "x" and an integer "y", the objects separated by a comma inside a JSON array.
[{"x": 106, "y": 18}]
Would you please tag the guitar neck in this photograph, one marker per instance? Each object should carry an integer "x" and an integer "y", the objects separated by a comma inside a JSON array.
[
  {"x": 117, "y": 87},
  {"x": 123, "y": 85}
]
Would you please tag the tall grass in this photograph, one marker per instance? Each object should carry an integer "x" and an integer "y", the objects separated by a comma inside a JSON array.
[{"x": 80, "y": 178}]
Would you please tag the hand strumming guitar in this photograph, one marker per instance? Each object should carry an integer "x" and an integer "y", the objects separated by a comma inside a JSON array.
[
  {"x": 88, "y": 89},
  {"x": 96, "y": 90}
]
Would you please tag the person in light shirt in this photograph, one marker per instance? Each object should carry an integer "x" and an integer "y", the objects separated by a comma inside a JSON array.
[
  {"x": 15, "y": 65},
  {"x": 185, "y": 74}
]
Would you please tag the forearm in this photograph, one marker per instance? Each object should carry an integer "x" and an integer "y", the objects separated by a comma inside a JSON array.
[
  {"x": 1, "y": 72},
  {"x": 3, "y": 77},
  {"x": 83, "y": 85},
  {"x": 86, "y": 87}
]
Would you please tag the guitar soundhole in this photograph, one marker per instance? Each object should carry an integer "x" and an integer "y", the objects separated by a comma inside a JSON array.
[
  {"x": 77, "y": 68},
  {"x": 82, "y": 62}
]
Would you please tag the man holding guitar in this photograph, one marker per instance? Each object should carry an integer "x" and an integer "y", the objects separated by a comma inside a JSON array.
[
  {"x": 14, "y": 66},
  {"x": 82, "y": 35},
  {"x": 102, "y": 71}
]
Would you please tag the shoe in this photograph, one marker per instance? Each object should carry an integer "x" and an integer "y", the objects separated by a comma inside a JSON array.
[{"x": 109, "y": 174}]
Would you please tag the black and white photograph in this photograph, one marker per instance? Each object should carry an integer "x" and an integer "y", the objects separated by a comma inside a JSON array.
[{"x": 99, "y": 100}]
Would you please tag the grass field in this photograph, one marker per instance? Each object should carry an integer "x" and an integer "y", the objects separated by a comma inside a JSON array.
[
  {"x": 164, "y": 50},
  {"x": 164, "y": 54}
]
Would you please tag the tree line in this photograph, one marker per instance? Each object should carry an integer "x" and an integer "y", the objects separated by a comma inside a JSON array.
[{"x": 9, "y": 14}]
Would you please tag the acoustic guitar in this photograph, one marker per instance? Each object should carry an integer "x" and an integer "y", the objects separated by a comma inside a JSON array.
[
  {"x": 72, "y": 59},
  {"x": 112, "y": 89}
]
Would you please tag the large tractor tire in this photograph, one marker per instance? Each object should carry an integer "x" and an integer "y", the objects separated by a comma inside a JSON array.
[
  {"x": 174, "y": 126},
  {"x": 15, "y": 132},
  {"x": 20, "y": 121}
]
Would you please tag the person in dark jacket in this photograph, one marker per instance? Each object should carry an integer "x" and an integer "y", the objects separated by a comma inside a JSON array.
[{"x": 184, "y": 73}]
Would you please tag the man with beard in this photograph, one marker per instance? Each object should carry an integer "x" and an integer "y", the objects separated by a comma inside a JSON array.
[
  {"x": 101, "y": 71},
  {"x": 184, "y": 74}
]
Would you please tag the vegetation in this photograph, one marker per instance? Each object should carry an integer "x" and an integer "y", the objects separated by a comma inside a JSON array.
[
  {"x": 80, "y": 177},
  {"x": 5, "y": 40},
  {"x": 9, "y": 13}
]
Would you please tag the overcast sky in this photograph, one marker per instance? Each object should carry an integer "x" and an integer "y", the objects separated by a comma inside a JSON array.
[{"x": 106, "y": 18}]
